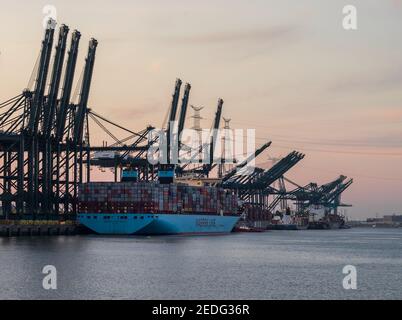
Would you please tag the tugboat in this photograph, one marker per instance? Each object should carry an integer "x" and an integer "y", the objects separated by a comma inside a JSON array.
[{"x": 244, "y": 228}]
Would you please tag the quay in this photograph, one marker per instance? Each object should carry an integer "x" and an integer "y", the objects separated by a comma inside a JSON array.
[{"x": 38, "y": 228}]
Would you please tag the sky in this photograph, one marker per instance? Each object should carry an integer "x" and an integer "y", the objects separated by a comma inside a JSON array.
[{"x": 285, "y": 68}]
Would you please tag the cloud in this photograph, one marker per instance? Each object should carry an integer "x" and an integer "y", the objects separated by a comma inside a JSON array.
[
  {"x": 385, "y": 79},
  {"x": 260, "y": 35},
  {"x": 145, "y": 110}
]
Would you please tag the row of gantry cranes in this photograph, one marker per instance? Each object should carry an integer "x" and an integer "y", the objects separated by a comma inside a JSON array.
[{"x": 46, "y": 150}]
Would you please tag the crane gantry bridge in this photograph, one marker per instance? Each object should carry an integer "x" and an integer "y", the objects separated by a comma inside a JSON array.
[{"x": 45, "y": 149}]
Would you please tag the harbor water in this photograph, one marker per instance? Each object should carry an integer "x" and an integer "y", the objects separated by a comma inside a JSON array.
[{"x": 271, "y": 265}]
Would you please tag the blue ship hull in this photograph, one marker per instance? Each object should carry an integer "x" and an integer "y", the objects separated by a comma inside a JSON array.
[{"x": 157, "y": 224}]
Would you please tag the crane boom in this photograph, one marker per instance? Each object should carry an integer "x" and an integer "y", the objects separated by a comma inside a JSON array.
[
  {"x": 208, "y": 167},
  {"x": 245, "y": 162},
  {"x": 175, "y": 101},
  {"x": 55, "y": 81},
  {"x": 183, "y": 110},
  {"x": 85, "y": 88},
  {"x": 172, "y": 116},
  {"x": 67, "y": 85},
  {"x": 38, "y": 96},
  {"x": 215, "y": 128}
]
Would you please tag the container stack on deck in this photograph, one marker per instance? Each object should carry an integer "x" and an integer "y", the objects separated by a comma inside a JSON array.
[{"x": 98, "y": 197}]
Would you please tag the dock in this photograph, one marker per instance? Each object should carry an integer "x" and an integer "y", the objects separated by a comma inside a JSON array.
[{"x": 42, "y": 228}]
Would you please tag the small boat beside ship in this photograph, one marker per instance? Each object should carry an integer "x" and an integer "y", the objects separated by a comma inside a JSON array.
[{"x": 244, "y": 228}]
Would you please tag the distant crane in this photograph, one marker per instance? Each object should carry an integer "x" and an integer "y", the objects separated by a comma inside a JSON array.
[{"x": 280, "y": 185}]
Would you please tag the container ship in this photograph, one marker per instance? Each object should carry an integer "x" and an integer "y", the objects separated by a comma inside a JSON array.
[
  {"x": 162, "y": 207},
  {"x": 321, "y": 218}
]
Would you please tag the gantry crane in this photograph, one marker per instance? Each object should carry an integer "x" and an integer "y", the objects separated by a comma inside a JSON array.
[{"x": 44, "y": 138}]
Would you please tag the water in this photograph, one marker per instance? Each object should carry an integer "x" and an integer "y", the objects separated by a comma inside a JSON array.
[{"x": 272, "y": 265}]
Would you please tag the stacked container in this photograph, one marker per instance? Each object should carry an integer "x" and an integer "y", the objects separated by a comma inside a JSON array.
[{"x": 151, "y": 197}]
